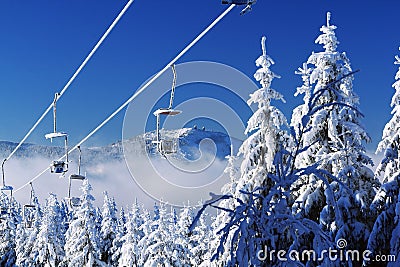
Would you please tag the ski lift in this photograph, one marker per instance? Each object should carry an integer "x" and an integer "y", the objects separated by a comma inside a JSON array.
[
  {"x": 7, "y": 190},
  {"x": 58, "y": 166},
  {"x": 27, "y": 210},
  {"x": 75, "y": 201},
  {"x": 248, "y": 4},
  {"x": 165, "y": 146}
]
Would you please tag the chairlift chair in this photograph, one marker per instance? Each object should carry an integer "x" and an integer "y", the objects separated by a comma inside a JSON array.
[
  {"x": 238, "y": 2},
  {"x": 165, "y": 146},
  {"x": 248, "y": 4},
  {"x": 4, "y": 213},
  {"x": 8, "y": 191},
  {"x": 58, "y": 166},
  {"x": 75, "y": 201},
  {"x": 27, "y": 210}
]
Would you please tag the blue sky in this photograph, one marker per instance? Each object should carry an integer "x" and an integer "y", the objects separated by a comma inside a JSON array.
[{"x": 43, "y": 42}]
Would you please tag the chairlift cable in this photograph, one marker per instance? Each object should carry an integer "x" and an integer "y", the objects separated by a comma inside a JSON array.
[
  {"x": 83, "y": 64},
  {"x": 140, "y": 90}
]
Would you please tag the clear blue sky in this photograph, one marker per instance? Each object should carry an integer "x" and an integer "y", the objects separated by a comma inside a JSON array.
[{"x": 43, "y": 42}]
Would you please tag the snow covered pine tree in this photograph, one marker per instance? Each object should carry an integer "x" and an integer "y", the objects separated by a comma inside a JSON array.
[
  {"x": 109, "y": 229},
  {"x": 130, "y": 251},
  {"x": 335, "y": 141},
  {"x": 50, "y": 241},
  {"x": 83, "y": 245},
  {"x": 387, "y": 202},
  {"x": 243, "y": 227},
  {"x": 8, "y": 225}
]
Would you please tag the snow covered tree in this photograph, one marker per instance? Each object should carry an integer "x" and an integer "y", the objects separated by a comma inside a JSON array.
[
  {"x": 146, "y": 228},
  {"x": 83, "y": 246},
  {"x": 390, "y": 143},
  {"x": 182, "y": 238},
  {"x": 266, "y": 128},
  {"x": 154, "y": 249},
  {"x": 116, "y": 250},
  {"x": 27, "y": 255},
  {"x": 159, "y": 247},
  {"x": 200, "y": 239},
  {"x": 50, "y": 241},
  {"x": 109, "y": 228},
  {"x": 99, "y": 219},
  {"x": 387, "y": 202},
  {"x": 9, "y": 219},
  {"x": 20, "y": 240},
  {"x": 335, "y": 141},
  {"x": 122, "y": 221},
  {"x": 264, "y": 216},
  {"x": 130, "y": 251}
]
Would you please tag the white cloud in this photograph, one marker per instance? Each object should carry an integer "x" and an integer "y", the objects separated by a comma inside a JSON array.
[{"x": 115, "y": 178}]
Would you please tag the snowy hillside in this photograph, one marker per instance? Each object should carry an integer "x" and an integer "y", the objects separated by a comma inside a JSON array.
[
  {"x": 190, "y": 143},
  {"x": 188, "y": 139}
]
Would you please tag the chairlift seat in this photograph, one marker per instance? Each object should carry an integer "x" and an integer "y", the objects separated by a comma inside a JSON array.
[
  {"x": 29, "y": 206},
  {"x": 6, "y": 188},
  {"x": 55, "y": 135},
  {"x": 77, "y": 177},
  {"x": 58, "y": 166},
  {"x": 167, "y": 112}
]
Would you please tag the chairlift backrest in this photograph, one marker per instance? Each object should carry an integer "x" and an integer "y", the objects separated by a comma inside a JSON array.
[{"x": 168, "y": 146}]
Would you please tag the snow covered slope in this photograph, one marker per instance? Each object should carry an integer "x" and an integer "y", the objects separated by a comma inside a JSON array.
[{"x": 191, "y": 143}]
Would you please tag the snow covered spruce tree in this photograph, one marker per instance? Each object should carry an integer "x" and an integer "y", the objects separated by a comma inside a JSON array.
[
  {"x": 385, "y": 236},
  {"x": 109, "y": 229},
  {"x": 201, "y": 237},
  {"x": 83, "y": 246},
  {"x": 240, "y": 233},
  {"x": 8, "y": 229},
  {"x": 50, "y": 241},
  {"x": 159, "y": 247},
  {"x": 28, "y": 254},
  {"x": 335, "y": 141},
  {"x": 116, "y": 250},
  {"x": 130, "y": 251},
  {"x": 182, "y": 238}
]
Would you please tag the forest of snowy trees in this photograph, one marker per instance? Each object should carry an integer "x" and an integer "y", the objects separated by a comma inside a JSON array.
[
  {"x": 303, "y": 184},
  {"x": 55, "y": 235}
]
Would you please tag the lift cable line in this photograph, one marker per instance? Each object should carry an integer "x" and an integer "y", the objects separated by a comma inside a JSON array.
[
  {"x": 140, "y": 90},
  {"x": 66, "y": 86}
]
